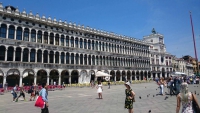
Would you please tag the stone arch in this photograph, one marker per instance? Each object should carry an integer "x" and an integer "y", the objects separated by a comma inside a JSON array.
[
  {"x": 65, "y": 76},
  {"x": 74, "y": 76},
  {"x": 84, "y": 77},
  {"x": 12, "y": 77},
  {"x": 41, "y": 76},
  {"x": 53, "y": 76},
  {"x": 2, "y": 51},
  {"x": 118, "y": 75},
  {"x": 28, "y": 77}
]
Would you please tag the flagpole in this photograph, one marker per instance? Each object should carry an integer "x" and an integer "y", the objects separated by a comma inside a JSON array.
[{"x": 197, "y": 71}]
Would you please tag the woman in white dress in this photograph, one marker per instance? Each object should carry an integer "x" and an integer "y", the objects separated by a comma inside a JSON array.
[{"x": 99, "y": 89}]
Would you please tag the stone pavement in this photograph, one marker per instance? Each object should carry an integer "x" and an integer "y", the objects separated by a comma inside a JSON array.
[{"x": 85, "y": 100}]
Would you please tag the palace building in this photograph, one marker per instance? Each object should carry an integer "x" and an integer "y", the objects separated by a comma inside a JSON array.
[{"x": 35, "y": 49}]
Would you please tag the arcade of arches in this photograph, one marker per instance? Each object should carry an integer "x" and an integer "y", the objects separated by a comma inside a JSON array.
[{"x": 29, "y": 76}]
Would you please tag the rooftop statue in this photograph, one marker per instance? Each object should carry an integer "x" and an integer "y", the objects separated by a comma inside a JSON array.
[{"x": 153, "y": 31}]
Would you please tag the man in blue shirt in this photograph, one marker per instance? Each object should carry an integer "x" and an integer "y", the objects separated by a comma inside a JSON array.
[{"x": 44, "y": 94}]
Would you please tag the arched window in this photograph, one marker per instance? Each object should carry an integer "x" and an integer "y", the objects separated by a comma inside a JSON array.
[
  {"x": 72, "y": 58},
  {"x": 25, "y": 55},
  {"x": 97, "y": 45},
  {"x": 106, "y": 47},
  {"x": 97, "y": 60},
  {"x": 89, "y": 59},
  {"x": 45, "y": 37},
  {"x": 62, "y": 40},
  {"x": 67, "y": 58},
  {"x": 92, "y": 44},
  {"x": 33, "y": 35},
  {"x": 81, "y": 43},
  {"x": 26, "y": 34},
  {"x": 19, "y": 33},
  {"x": 45, "y": 56},
  {"x": 85, "y": 44},
  {"x": 89, "y": 44},
  {"x": 10, "y": 54},
  {"x": 81, "y": 59},
  {"x": 72, "y": 41},
  {"x": 11, "y": 32},
  {"x": 39, "y": 56},
  {"x": 76, "y": 42},
  {"x": 51, "y": 38},
  {"x": 67, "y": 41},
  {"x": 85, "y": 59},
  {"x": 77, "y": 59},
  {"x": 93, "y": 60},
  {"x": 62, "y": 58},
  {"x": 57, "y": 57},
  {"x": 57, "y": 39},
  {"x": 103, "y": 46},
  {"x": 3, "y": 30},
  {"x": 18, "y": 54},
  {"x": 39, "y": 37},
  {"x": 51, "y": 57},
  {"x": 32, "y": 55},
  {"x": 2, "y": 53}
]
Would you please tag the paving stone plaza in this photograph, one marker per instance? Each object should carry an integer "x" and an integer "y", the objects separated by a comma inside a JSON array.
[{"x": 85, "y": 100}]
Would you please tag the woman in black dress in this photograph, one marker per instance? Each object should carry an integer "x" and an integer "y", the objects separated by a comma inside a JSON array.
[{"x": 130, "y": 95}]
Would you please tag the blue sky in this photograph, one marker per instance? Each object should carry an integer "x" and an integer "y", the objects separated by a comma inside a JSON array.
[{"x": 134, "y": 18}]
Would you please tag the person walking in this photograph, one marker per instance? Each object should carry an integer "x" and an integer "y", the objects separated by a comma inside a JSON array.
[
  {"x": 99, "y": 89},
  {"x": 130, "y": 95},
  {"x": 44, "y": 95},
  {"x": 185, "y": 98},
  {"x": 32, "y": 91},
  {"x": 109, "y": 84},
  {"x": 161, "y": 83},
  {"x": 14, "y": 92},
  {"x": 22, "y": 93}
]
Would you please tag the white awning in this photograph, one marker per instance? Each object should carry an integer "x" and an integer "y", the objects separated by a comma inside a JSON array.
[
  {"x": 102, "y": 74},
  {"x": 178, "y": 74},
  {"x": 25, "y": 74}
]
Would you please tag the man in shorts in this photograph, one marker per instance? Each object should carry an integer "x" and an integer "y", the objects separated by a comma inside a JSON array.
[{"x": 22, "y": 93}]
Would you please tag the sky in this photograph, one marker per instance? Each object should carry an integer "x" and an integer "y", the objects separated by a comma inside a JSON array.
[{"x": 133, "y": 18}]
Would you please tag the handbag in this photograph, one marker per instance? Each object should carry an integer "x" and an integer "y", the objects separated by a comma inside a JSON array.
[
  {"x": 39, "y": 102},
  {"x": 195, "y": 105}
]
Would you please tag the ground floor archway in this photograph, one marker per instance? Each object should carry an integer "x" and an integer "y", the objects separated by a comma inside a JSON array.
[
  {"x": 74, "y": 76},
  {"x": 92, "y": 73},
  {"x": 53, "y": 77},
  {"x": 65, "y": 77},
  {"x": 118, "y": 76},
  {"x": 112, "y": 78},
  {"x": 128, "y": 75},
  {"x": 41, "y": 76}
]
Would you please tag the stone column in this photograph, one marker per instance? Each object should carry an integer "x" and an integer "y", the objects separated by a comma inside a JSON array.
[
  {"x": 22, "y": 55},
  {"x": 23, "y": 33},
  {"x": 115, "y": 78},
  {"x": 59, "y": 80},
  {"x": 69, "y": 41},
  {"x": 4, "y": 80},
  {"x": 54, "y": 39},
  {"x": 54, "y": 57},
  {"x": 139, "y": 77},
  {"x": 7, "y": 30},
  {"x": 15, "y": 36},
  {"x": 35, "y": 79},
  {"x": 48, "y": 38},
  {"x": 42, "y": 38},
  {"x": 131, "y": 77},
  {"x": 42, "y": 56},
  {"x": 70, "y": 79},
  {"x": 36, "y": 32},
  {"x": 120, "y": 76},
  {"x": 36, "y": 56},
  {"x": 29, "y": 36},
  {"x": 59, "y": 58},
  {"x": 47, "y": 79},
  {"x": 6, "y": 52},
  {"x": 20, "y": 80},
  {"x": 156, "y": 75},
  {"x": 29, "y": 55},
  {"x": 14, "y": 52},
  {"x": 135, "y": 77}
]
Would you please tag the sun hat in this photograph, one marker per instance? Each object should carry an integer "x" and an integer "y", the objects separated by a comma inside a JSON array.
[{"x": 127, "y": 83}]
